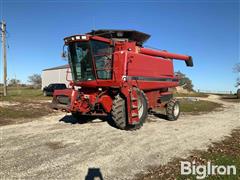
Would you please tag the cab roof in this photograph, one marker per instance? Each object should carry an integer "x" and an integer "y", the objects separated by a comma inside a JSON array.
[{"x": 131, "y": 35}]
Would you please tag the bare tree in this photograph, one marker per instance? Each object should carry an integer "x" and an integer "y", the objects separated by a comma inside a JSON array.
[
  {"x": 14, "y": 82},
  {"x": 35, "y": 80}
]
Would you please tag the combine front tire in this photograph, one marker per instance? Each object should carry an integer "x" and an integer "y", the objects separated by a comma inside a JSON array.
[
  {"x": 142, "y": 110},
  {"x": 173, "y": 110},
  {"x": 119, "y": 115},
  {"x": 119, "y": 112}
]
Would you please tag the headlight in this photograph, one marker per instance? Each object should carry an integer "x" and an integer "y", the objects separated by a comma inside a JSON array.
[{"x": 84, "y": 37}]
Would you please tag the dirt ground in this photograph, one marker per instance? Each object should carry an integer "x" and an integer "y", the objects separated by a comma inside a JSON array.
[{"x": 55, "y": 147}]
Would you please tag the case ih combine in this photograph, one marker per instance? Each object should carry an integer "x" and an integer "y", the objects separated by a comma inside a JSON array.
[{"x": 113, "y": 74}]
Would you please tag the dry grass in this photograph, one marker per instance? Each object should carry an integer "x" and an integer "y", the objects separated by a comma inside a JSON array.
[
  {"x": 230, "y": 98},
  {"x": 226, "y": 152},
  {"x": 193, "y": 94},
  {"x": 23, "y": 104}
]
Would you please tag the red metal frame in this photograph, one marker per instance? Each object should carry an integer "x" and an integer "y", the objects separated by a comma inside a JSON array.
[{"x": 133, "y": 67}]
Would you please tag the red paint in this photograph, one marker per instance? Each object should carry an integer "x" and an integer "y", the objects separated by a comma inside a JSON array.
[
  {"x": 163, "y": 54},
  {"x": 133, "y": 66}
]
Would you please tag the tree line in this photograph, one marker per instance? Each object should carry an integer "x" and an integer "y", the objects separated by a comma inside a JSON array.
[{"x": 35, "y": 81}]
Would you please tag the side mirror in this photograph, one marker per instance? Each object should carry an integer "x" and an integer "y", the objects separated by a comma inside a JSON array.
[{"x": 64, "y": 55}]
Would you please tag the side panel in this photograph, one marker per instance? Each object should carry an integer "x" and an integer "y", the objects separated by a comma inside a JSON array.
[
  {"x": 150, "y": 73},
  {"x": 144, "y": 65},
  {"x": 157, "y": 99}
]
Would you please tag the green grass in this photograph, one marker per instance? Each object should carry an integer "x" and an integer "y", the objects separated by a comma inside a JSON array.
[
  {"x": 195, "y": 107},
  {"x": 193, "y": 94},
  {"x": 24, "y": 94}
]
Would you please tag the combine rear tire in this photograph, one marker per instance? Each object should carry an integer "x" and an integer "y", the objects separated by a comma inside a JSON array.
[
  {"x": 119, "y": 112},
  {"x": 173, "y": 110}
]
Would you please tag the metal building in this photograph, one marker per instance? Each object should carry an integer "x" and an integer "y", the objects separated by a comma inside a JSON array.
[{"x": 55, "y": 75}]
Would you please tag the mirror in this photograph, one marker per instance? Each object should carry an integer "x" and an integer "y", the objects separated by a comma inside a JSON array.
[{"x": 64, "y": 54}]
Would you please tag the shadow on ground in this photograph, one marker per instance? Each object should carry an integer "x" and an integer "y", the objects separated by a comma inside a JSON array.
[
  {"x": 94, "y": 173},
  {"x": 87, "y": 119},
  {"x": 230, "y": 98},
  {"x": 161, "y": 116},
  {"x": 84, "y": 119},
  {"x": 100, "y": 119}
]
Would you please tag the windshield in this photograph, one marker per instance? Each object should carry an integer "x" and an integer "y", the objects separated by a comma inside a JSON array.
[
  {"x": 80, "y": 61},
  {"x": 82, "y": 58}
]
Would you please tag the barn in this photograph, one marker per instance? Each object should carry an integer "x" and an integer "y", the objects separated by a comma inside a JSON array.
[{"x": 56, "y": 75}]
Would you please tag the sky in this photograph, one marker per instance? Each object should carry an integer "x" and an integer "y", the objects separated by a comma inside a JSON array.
[{"x": 206, "y": 30}]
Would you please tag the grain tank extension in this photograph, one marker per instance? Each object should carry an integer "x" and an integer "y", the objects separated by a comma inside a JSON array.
[{"x": 114, "y": 75}]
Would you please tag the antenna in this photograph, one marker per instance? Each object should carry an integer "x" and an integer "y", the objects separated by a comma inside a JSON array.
[{"x": 94, "y": 23}]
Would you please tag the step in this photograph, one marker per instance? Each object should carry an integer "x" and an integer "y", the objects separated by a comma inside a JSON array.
[
  {"x": 134, "y": 107},
  {"x": 134, "y": 115},
  {"x": 133, "y": 99}
]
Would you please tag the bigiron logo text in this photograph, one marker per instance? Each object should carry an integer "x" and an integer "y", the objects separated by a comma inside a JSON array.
[{"x": 202, "y": 171}]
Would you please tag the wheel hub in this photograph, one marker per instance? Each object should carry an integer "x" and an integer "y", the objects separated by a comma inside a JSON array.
[
  {"x": 176, "y": 110},
  {"x": 140, "y": 107}
]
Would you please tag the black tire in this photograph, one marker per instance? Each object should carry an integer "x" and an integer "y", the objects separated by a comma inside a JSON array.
[
  {"x": 119, "y": 112},
  {"x": 173, "y": 110}
]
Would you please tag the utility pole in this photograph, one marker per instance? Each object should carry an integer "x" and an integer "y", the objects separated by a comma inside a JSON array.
[{"x": 4, "y": 56}]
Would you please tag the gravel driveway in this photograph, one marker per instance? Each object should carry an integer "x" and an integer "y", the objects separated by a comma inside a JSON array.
[{"x": 54, "y": 148}]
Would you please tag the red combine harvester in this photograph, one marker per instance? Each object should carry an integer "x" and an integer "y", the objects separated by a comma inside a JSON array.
[{"x": 113, "y": 74}]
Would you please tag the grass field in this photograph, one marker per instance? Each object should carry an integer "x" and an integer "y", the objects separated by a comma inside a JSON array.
[
  {"x": 193, "y": 94},
  {"x": 197, "y": 107},
  {"x": 23, "y": 103},
  {"x": 24, "y": 95}
]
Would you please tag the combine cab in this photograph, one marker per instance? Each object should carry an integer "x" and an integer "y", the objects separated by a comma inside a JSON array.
[{"x": 113, "y": 74}]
